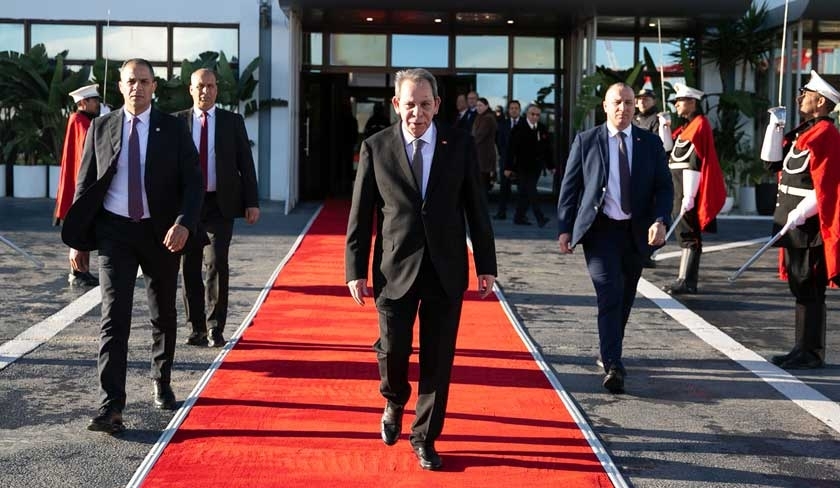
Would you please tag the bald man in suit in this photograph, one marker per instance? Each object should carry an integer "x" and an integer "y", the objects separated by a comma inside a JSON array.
[{"x": 615, "y": 200}]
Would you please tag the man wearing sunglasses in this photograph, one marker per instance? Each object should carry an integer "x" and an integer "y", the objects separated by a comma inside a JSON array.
[{"x": 808, "y": 206}]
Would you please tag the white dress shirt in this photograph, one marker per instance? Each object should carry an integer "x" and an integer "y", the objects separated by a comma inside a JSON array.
[
  {"x": 428, "y": 151},
  {"x": 612, "y": 201},
  {"x": 116, "y": 199}
]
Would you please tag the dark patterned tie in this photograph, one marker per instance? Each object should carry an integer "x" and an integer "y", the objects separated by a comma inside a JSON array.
[
  {"x": 202, "y": 147},
  {"x": 624, "y": 173},
  {"x": 417, "y": 163},
  {"x": 135, "y": 186}
]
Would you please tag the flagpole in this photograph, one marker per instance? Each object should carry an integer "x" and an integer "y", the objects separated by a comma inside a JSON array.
[
  {"x": 104, "y": 55},
  {"x": 661, "y": 63},
  {"x": 784, "y": 41}
]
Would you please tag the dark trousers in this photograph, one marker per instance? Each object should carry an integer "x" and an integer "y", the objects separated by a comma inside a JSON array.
[
  {"x": 688, "y": 228},
  {"x": 504, "y": 190},
  {"x": 213, "y": 256},
  {"x": 808, "y": 279},
  {"x": 439, "y": 317},
  {"x": 615, "y": 267},
  {"x": 123, "y": 246},
  {"x": 527, "y": 185}
]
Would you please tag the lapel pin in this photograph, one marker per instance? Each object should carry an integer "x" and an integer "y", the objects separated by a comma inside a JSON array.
[
  {"x": 443, "y": 142},
  {"x": 157, "y": 129}
]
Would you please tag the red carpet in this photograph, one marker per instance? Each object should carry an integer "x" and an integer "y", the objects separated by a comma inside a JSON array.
[{"x": 296, "y": 401}]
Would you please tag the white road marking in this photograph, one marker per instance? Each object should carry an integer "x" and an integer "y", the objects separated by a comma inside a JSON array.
[
  {"x": 815, "y": 403},
  {"x": 715, "y": 248},
  {"x": 30, "y": 339},
  {"x": 46, "y": 329}
]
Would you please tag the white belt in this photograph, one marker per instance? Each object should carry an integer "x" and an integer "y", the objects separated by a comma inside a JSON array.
[
  {"x": 679, "y": 165},
  {"x": 792, "y": 190}
]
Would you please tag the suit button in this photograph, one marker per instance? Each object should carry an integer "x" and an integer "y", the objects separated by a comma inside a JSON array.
[{"x": 596, "y": 208}]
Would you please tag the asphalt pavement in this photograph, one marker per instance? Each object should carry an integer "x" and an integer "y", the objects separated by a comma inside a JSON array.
[{"x": 691, "y": 417}]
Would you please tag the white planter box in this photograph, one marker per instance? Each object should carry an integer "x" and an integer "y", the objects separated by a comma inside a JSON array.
[
  {"x": 30, "y": 181},
  {"x": 54, "y": 172},
  {"x": 746, "y": 200},
  {"x": 2, "y": 180}
]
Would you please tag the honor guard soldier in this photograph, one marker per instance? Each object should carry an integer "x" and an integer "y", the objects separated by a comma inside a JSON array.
[
  {"x": 88, "y": 106},
  {"x": 699, "y": 190},
  {"x": 808, "y": 206}
]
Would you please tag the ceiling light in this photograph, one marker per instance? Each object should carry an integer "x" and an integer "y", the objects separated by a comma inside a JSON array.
[
  {"x": 510, "y": 21},
  {"x": 438, "y": 20},
  {"x": 369, "y": 19}
]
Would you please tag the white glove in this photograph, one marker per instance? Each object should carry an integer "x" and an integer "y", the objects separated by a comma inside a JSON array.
[
  {"x": 778, "y": 116},
  {"x": 771, "y": 148},
  {"x": 691, "y": 183},
  {"x": 805, "y": 209},
  {"x": 665, "y": 131}
]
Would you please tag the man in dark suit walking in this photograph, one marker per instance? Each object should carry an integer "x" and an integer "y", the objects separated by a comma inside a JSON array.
[
  {"x": 503, "y": 143},
  {"x": 421, "y": 182},
  {"x": 615, "y": 200},
  {"x": 138, "y": 200},
  {"x": 231, "y": 191},
  {"x": 529, "y": 154}
]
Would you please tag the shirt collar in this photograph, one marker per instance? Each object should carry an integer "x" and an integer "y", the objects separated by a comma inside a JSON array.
[
  {"x": 211, "y": 113},
  {"x": 428, "y": 137},
  {"x": 144, "y": 116},
  {"x": 613, "y": 130}
]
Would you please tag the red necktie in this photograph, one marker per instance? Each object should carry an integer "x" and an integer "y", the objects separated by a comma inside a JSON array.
[
  {"x": 202, "y": 147},
  {"x": 135, "y": 185}
]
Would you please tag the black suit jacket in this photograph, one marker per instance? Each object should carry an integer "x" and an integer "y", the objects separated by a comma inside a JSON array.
[
  {"x": 386, "y": 197},
  {"x": 173, "y": 181},
  {"x": 503, "y": 140},
  {"x": 528, "y": 152},
  {"x": 585, "y": 183},
  {"x": 236, "y": 178}
]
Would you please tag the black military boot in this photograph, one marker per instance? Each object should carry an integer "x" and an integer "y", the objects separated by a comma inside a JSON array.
[
  {"x": 687, "y": 277},
  {"x": 811, "y": 354},
  {"x": 693, "y": 272},
  {"x": 798, "y": 334}
]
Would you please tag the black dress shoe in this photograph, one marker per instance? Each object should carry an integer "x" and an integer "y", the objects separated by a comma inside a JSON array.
[
  {"x": 500, "y": 216},
  {"x": 614, "y": 380},
  {"x": 778, "y": 360},
  {"x": 76, "y": 278},
  {"x": 197, "y": 339},
  {"x": 803, "y": 360},
  {"x": 216, "y": 340},
  {"x": 108, "y": 421},
  {"x": 391, "y": 424},
  {"x": 679, "y": 287},
  {"x": 164, "y": 396},
  {"x": 648, "y": 262},
  {"x": 428, "y": 457}
]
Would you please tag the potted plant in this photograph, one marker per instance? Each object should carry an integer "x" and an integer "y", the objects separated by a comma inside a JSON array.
[{"x": 35, "y": 107}]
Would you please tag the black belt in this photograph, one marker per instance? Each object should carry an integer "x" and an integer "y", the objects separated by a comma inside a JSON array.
[
  {"x": 602, "y": 219},
  {"x": 123, "y": 219}
]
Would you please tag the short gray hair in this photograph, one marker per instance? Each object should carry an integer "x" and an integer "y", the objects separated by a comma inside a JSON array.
[{"x": 416, "y": 75}]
